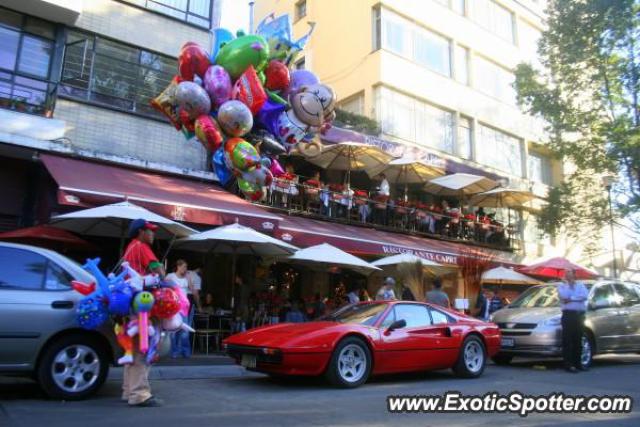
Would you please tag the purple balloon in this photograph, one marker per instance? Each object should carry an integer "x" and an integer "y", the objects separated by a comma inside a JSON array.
[
  {"x": 276, "y": 168},
  {"x": 300, "y": 78},
  {"x": 217, "y": 83}
]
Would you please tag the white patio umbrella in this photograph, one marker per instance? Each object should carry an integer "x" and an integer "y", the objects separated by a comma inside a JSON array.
[
  {"x": 236, "y": 239},
  {"x": 406, "y": 171},
  {"x": 460, "y": 184},
  {"x": 503, "y": 275},
  {"x": 502, "y": 198},
  {"x": 431, "y": 267},
  {"x": 326, "y": 255},
  {"x": 350, "y": 156}
]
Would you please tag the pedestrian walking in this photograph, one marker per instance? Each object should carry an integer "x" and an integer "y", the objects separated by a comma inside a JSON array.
[{"x": 573, "y": 301}]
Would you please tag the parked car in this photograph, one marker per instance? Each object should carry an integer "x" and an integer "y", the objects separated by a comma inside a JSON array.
[
  {"x": 369, "y": 338},
  {"x": 531, "y": 325},
  {"x": 39, "y": 336}
]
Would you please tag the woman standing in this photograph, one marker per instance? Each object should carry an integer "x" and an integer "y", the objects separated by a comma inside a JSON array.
[{"x": 180, "y": 339}]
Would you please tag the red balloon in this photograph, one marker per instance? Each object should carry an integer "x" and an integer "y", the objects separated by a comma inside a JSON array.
[
  {"x": 249, "y": 90},
  {"x": 277, "y": 75},
  {"x": 83, "y": 288},
  {"x": 193, "y": 60},
  {"x": 166, "y": 303},
  {"x": 186, "y": 121},
  {"x": 208, "y": 132}
]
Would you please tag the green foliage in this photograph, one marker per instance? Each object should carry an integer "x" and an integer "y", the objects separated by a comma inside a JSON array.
[
  {"x": 588, "y": 95},
  {"x": 356, "y": 122}
]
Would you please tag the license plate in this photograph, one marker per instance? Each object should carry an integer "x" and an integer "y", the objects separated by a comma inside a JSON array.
[
  {"x": 507, "y": 342},
  {"x": 248, "y": 361}
]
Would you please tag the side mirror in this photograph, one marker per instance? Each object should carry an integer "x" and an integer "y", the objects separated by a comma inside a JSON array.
[{"x": 398, "y": 324}]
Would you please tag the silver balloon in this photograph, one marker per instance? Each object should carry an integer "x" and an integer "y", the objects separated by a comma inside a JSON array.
[
  {"x": 193, "y": 99},
  {"x": 235, "y": 118}
]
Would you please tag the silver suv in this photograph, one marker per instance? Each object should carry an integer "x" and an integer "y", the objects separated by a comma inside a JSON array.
[
  {"x": 39, "y": 336},
  {"x": 531, "y": 324}
]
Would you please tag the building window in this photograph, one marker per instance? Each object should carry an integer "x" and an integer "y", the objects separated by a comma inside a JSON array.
[
  {"x": 461, "y": 64},
  {"x": 528, "y": 39},
  {"x": 197, "y": 12},
  {"x": 301, "y": 9},
  {"x": 411, "y": 119},
  {"x": 353, "y": 104},
  {"x": 26, "y": 49},
  {"x": 114, "y": 74},
  {"x": 456, "y": 5},
  {"x": 493, "y": 17},
  {"x": 539, "y": 168},
  {"x": 493, "y": 80},
  {"x": 401, "y": 36},
  {"x": 465, "y": 137},
  {"x": 499, "y": 150}
]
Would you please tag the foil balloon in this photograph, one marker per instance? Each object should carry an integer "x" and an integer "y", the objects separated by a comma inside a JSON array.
[
  {"x": 166, "y": 103},
  {"x": 220, "y": 167},
  {"x": 237, "y": 55},
  {"x": 83, "y": 288},
  {"x": 221, "y": 37},
  {"x": 208, "y": 132},
  {"x": 276, "y": 168},
  {"x": 300, "y": 79},
  {"x": 235, "y": 118},
  {"x": 217, "y": 83},
  {"x": 277, "y": 32},
  {"x": 142, "y": 305},
  {"x": 185, "y": 305},
  {"x": 240, "y": 155},
  {"x": 277, "y": 76},
  {"x": 120, "y": 300},
  {"x": 92, "y": 312},
  {"x": 166, "y": 303},
  {"x": 175, "y": 323},
  {"x": 265, "y": 143},
  {"x": 193, "y": 60},
  {"x": 313, "y": 104},
  {"x": 259, "y": 175},
  {"x": 252, "y": 191},
  {"x": 193, "y": 99},
  {"x": 249, "y": 90},
  {"x": 290, "y": 130}
]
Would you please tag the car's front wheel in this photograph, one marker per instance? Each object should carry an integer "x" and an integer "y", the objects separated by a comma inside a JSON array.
[
  {"x": 350, "y": 363},
  {"x": 73, "y": 367},
  {"x": 472, "y": 358}
]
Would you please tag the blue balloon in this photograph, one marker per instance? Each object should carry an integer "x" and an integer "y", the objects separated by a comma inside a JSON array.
[
  {"x": 220, "y": 168},
  {"x": 120, "y": 300},
  {"x": 91, "y": 311},
  {"x": 221, "y": 36}
]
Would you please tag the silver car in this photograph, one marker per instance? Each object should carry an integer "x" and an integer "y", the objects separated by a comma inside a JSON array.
[
  {"x": 39, "y": 336},
  {"x": 531, "y": 325}
]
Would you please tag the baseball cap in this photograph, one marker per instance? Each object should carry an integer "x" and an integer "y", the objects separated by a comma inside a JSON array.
[{"x": 140, "y": 224}]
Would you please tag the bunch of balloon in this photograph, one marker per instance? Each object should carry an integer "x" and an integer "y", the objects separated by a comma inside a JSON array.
[{"x": 245, "y": 104}]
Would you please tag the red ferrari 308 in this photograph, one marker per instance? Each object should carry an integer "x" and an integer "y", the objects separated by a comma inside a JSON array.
[{"x": 369, "y": 338}]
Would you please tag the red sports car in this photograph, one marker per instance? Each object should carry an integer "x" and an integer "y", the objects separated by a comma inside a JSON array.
[{"x": 369, "y": 338}]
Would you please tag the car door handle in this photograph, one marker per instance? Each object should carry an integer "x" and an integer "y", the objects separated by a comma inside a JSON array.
[{"x": 62, "y": 305}]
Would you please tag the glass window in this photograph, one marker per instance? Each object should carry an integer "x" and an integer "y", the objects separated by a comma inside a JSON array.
[
  {"x": 439, "y": 317},
  {"x": 301, "y": 9},
  {"x": 465, "y": 133},
  {"x": 462, "y": 64},
  {"x": 528, "y": 38},
  {"x": 35, "y": 56},
  {"x": 21, "y": 269},
  {"x": 493, "y": 17},
  {"x": 499, "y": 150},
  {"x": 9, "y": 40},
  {"x": 364, "y": 314},
  {"x": 354, "y": 104},
  {"x": 415, "y": 43},
  {"x": 626, "y": 294},
  {"x": 113, "y": 73},
  {"x": 197, "y": 12},
  {"x": 458, "y": 6},
  {"x": 414, "y": 314},
  {"x": 539, "y": 168},
  {"x": 603, "y": 294},
  {"x": 493, "y": 80},
  {"x": 539, "y": 296},
  {"x": 57, "y": 278},
  {"x": 532, "y": 232},
  {"x": 408, "y": 118}
]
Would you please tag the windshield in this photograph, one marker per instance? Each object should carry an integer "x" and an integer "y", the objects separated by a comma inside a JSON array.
[
  {"x": 363, "y": 314},
  {"x": 539, "y": 297}
]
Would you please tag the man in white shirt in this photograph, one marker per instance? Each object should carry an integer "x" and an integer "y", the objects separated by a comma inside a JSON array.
[
  {"x": 384, "y": 186},
  {"x": 573, "y": 301},
  {"x": 386, "y": 292},
  {"x": 195, "y": 276}
]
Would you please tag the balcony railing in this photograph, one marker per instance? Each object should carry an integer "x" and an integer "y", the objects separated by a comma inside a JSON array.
[
  {"x": 26, "y": 94},
  {"x": 368, "y": 209}
]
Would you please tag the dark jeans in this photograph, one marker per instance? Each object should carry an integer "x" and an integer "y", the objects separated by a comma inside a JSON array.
[{"x": 572, "y": 331}]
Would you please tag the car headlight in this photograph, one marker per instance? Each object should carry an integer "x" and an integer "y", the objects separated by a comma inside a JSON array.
[{"x": 554, "y": 321}]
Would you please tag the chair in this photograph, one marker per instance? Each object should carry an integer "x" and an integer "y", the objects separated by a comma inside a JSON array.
[{"x": 203, "y": 333}]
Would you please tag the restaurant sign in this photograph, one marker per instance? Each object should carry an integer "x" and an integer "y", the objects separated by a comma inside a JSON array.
[{"x": 430, "y": 256}]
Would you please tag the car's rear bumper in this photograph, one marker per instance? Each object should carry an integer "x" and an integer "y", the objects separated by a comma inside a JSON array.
[{"x": 284, "y": 363}]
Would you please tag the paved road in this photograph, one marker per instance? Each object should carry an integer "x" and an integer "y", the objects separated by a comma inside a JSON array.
[{"x": 228, "y": 396}]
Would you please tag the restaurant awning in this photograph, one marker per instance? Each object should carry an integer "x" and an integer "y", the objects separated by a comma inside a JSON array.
[
  {"x": 84, "y": 184},
  {"x": 363, "y": 241}
]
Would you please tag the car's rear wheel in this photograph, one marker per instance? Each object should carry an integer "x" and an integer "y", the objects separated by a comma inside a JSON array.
[
  {"x": 502, "y": 359},
  {"x": 472, "y": 358},
  {"x": 350, "y": 363},
  {"x": 586, "y": 357},
  {"x": 73, "y": 367}
]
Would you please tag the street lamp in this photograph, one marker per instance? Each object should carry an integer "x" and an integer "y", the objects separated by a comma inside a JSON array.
[
  {"x": 251, "y": 5},
  {"x": 607, "y": 182}
]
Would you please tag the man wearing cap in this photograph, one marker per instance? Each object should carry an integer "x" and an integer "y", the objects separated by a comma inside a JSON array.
[
  {"x": 386, "y": 292},
  {"x": 135, "y": 384}
]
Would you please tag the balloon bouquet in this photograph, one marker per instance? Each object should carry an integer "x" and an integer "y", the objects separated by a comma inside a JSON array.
[
  {"x": 245, "y": 105},
  {"x": 141, "y": 306}
]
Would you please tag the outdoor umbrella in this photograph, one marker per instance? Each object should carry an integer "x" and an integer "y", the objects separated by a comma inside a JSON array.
[
  {"x": 406, "y": 171},
  {"x": 555, "y": 268},
  {"x": 431, "y": 267},
  {"x": 325, "y": 256},
  {"x": 350, "y": 156},
  {"x": 502, "y": 198},
  {"x": 460, "y": 184},
  {"x": 503, "y": 275},
  {"x": 236, "y": 239},
  {"x": 48, "y": 237}
]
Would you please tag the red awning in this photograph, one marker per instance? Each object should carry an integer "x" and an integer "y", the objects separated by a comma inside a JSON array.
[
  {"x": 47, "y": 236},
  {"x": 85, "y": 183},
  {"x": 358, "y": 240}
]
